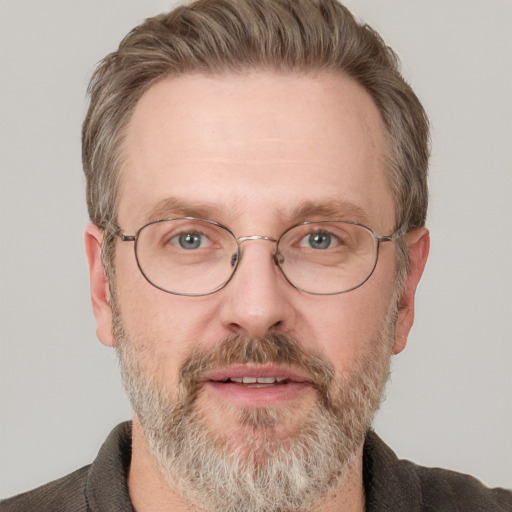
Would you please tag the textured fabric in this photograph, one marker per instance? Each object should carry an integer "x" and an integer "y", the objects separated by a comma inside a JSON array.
[
  {"x": 390, "y": 485},
  {"x": 99, "y": 487},
  {"x": 393, "y": 485}
]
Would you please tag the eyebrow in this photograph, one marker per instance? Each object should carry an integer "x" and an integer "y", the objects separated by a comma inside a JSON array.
[
  {"x": 333, "y": 209},
  {"x": 175, "y": 206}
]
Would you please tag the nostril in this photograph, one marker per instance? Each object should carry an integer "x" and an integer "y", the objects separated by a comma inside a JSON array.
[{"x": 276, "y": 325}]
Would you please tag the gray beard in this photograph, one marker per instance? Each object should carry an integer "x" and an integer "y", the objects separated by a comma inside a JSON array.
[{"x": 264, "y": 472}]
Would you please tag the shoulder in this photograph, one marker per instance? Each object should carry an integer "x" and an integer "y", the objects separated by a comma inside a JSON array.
[
  {"x": 392, "y": 484},
  {"x": 62, "y": 495},
  {"x": 101, "y": 485},
  {"x": 442, "y": 489}
]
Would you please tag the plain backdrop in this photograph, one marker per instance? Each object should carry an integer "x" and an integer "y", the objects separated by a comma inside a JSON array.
[{"x": 448, "y": 403}]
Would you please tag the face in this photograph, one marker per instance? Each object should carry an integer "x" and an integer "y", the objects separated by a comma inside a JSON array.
[{"x": 258, "y": 153}]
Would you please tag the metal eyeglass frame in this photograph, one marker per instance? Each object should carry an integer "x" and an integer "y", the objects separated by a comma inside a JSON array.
[{"x": 236, "y": 258}]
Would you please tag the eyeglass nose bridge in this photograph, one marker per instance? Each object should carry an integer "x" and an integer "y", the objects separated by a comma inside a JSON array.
[
  {"x": 256, "y": 237},
  {"x": 276, "y": 256}
]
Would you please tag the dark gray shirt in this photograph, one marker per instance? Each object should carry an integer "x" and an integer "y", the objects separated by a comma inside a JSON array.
[{"x": 390, "y": 485}]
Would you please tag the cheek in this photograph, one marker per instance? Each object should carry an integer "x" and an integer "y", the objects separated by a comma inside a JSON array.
[
  {"x": 345, "y": 327},
  {"x": 163, "y": 328}
]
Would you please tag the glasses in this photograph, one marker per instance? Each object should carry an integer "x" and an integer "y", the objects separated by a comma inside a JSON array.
[{"x": 189, "y": 256}]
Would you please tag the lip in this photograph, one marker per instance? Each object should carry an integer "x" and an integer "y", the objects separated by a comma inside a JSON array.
[
  {"x": 256, "y": 395},
  {"x": 267, "y": 370}
]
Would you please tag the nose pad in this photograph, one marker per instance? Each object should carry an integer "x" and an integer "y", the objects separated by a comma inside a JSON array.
[{"x": 278, "y": 258}]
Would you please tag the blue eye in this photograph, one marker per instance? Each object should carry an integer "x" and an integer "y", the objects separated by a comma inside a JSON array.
[
  {"x": 189, "y": 241},
  {"x": 318, "y": 240}
]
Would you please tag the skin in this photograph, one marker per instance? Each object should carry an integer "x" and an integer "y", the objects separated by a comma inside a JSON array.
[{"x": 245, "y": 150}]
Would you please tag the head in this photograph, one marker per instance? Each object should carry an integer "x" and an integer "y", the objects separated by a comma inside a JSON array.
[{"x": 257, "y": 115}]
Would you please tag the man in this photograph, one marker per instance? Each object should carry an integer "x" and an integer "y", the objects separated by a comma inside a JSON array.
[{"x": 257, "y": 186}]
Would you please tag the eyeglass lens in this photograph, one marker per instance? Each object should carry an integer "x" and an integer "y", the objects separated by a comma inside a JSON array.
[{"x": 197, "y": 257}]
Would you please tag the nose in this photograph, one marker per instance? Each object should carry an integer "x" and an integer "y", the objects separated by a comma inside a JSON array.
[{"x": 258, "y": 299}]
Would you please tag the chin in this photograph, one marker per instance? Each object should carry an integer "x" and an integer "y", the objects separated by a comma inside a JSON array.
[{"x": 253, "y": 433}]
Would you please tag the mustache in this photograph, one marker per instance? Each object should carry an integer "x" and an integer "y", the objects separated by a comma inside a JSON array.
[{"x": 280, "y": 349}]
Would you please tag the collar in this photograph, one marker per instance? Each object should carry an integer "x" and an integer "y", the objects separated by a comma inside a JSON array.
[
  {"x": 389, "y": 484},
  {"x": 106, "y": 487}
]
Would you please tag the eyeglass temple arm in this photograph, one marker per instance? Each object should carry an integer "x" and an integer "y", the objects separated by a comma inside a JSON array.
[
  {"x": 389, "y": 238},
  {"x": 126, "y": 238},
  {"x": 116, "y": 231}
]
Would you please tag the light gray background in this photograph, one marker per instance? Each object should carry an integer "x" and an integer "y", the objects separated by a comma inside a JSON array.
[{"x": 449, "y": 400}]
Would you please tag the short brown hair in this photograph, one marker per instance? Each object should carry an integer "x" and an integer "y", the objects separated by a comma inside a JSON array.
[{"x": 216, "y": 36}]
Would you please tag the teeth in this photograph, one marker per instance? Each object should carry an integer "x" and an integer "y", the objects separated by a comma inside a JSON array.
[
  {"x": 256, "y": 380},
  {"x": 266, "y": 380}
]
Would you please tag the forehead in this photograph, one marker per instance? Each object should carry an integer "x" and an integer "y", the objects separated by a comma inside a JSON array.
[{"x": 259, "y": 143}]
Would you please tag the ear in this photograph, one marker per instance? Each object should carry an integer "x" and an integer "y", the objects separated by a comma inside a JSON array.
[
  {"x": 418, "y": 242},
  {"x": 100, "y": 294}
]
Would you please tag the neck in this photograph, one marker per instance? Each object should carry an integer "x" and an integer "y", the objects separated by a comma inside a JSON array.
[{"x": 150, "y": 492}]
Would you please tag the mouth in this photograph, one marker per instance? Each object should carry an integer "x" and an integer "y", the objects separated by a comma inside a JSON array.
[
  {"x": 256, "y": 382},
  {"x": 256, "y": 386}
]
